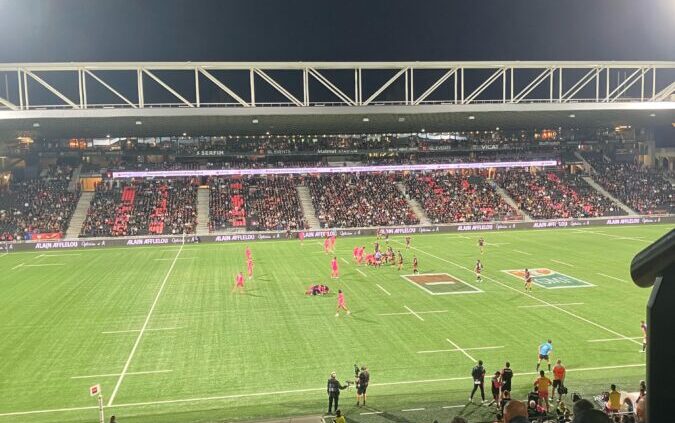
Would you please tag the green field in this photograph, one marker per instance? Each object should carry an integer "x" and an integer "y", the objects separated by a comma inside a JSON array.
[{"x": 162, "y": 325}]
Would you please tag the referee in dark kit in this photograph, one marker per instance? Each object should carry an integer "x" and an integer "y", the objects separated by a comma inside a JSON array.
[{"x": 333, "y": 389}]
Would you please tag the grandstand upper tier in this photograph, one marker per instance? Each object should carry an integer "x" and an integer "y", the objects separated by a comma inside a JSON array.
[{"x": 211, "y": 98}]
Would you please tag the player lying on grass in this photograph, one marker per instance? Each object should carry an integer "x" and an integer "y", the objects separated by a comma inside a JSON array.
[{"x": 317, "y": 290}]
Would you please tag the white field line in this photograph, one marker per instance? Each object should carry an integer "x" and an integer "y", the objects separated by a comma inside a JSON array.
[
  {"x": 454, "y": 406},
  {"x": 413, "y": 409},
  {"x": 460, "y": 349},
  {"x": 546, "y": 305},
  {"x": 60, "y": 255},
  {"x": 522, "y": 252},
  {"x": 168, "y": 259},
  {"x": 149, "y": 372},
  {"x": 583, "y": 319},
  {"x": 344, "y": 260},
  {"x": 143, "y": 328},
  {"x": 612, "y": 277},
  {"x": 371, "y": 413},
  {"x": 292, "y": 391},
  {"x": 380, "y": 286},
  {"x": 562, "y": 262},
  {"x": 404, "y": 313},
  {"x": 613, "y": 339},
  {"x": 17, "y": 266},
  {"x": 137, "y": 330},
  {"x": 413, "y": 313},
  {"x": 44, "y": 264},
  {"x": 617, "y": 237},
  {"x": 361, "y": 272},
  {"x": 465, "y": 349}
]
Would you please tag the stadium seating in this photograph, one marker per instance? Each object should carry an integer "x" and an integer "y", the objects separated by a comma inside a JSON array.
[
  {"x": 141, "y": 208},
  {"x": 254, "y": 203},
  {"x": 40, "y": 207},
  {"x": 448, "y": 197},
  {"x": 554, "y": 195},
  {"x": 349, "y": 200},
  {"x": 644, "y": 190}
]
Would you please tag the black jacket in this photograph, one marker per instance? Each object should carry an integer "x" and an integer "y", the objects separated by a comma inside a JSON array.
[{"x": 334, "y": 387}]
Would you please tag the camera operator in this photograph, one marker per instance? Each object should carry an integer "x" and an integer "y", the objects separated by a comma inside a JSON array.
[
  {"x": 333, "y": 389},
  {"x": 362, "y": 385}
]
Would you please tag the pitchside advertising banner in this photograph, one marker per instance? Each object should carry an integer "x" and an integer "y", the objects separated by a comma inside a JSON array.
[{"x": 266, "y": 236}]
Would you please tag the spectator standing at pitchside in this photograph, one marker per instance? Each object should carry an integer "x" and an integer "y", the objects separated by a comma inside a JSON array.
[
  {"x": 559, "y": 373},
  {"x": 333, "y": 389},
  {"x": 478, "y": 375},
  {"x": 507, "y": 376}
]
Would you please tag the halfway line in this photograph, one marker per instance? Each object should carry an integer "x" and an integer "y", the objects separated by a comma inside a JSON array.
[{"x": 118, "y": 374}]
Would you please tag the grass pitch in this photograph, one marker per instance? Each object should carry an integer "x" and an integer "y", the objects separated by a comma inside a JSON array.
[{"x": 160, "y": 329}]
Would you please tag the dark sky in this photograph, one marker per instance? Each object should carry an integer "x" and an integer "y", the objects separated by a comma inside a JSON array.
[{"x": 247, "y": 30}]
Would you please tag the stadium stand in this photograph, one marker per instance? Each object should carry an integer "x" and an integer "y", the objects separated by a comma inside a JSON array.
[
  {"x": 161, "y": 206},
  {"x": 348, "y": 200},
  {"x": 448, "y": 198},
  {"x": 254, "y": 203},
  {"x": 644, "y": 190},
  {"x": 38, "y": 208},
  {"x": 555, "y": 194}
]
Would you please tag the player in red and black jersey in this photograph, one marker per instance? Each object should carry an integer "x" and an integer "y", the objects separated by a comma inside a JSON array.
[
  {"x": 478, "y": 268},
  {"x": 400, "y": 261},
  {"x": 481, "y": 244},
  {"x": 528, "y": 281},
  {"x": 407, "y": 242},
  {"x": 415, "y": 265}
]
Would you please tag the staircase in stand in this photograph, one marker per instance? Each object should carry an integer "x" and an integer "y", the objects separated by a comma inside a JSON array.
[
  {"x": 604, "y": 192},
  {"x": 80, "y": 213},
  {"x": 414, "y": 205},
  {"x": 307, "y": 207},
  {"x": 74, "y": 183},
  {"x": 203, "y": 211},
  {"x": 505, "y": 195},
  {"x": 587, "y": 166}
]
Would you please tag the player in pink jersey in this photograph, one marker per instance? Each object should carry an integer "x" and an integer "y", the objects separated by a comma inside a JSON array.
[
  {"x": 359, "y": 255},
  {"x": 332, "y": 243},
  {"x": 239, "y": 283},
  {"x": 248, "y": 253},
  {"x": 335, "y": 271},
  {"x": 249, "y": 268},
  {"x": 355, "y": 253},
  {"x": 301, "y": 237},
  {"x": 326, "y": 245},
  {"x": 341, "y": 304}
]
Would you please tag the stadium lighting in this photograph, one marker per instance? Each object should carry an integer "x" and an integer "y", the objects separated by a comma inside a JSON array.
[
  {"x": 652, "y": 114},
  {"x": 422, "y": 130},
  {"x": 472, "y": 117},
  {"x": 573, "y": 115},
  {"x": 36, "y": 125},
  {"x": 365, "y": 119},
  {"x": 254, "y": 121},
  {"x": 497, "y": 128},
  {"x": 138, "y": 122},
  {"x": 185, "y": 134},
  {"x": 401, "y": 119},
  {"x": 107, "y": 136}
]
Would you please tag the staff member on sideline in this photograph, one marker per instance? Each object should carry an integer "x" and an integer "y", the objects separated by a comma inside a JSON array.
[
  {"x": 333, "y": 389},
  {"x": 362, "y": 385}
]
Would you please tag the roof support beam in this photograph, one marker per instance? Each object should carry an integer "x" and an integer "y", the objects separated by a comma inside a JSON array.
[
  {"x": 435, "y": 85},
  {"x": 471, "y": 97},
  {"x": 223, "y": 87},
  {"x": 168, "y": 88},
  {"x": 331, "y": 87},
  {"x": 625, "y": 85},
  {"x": 51, "y": 89},
  {"x": 385, "y": 86},
  {"x": 111, "y": 89},
  {"x": 8, "y": 104},
  {"x": 278, "y": 87},
  {"x": 581, "y": 83},
  {"x": 533, "y": 84}
]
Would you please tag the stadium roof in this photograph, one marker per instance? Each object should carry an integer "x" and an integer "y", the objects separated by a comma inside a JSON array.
[{"x": 221, "y": 98}]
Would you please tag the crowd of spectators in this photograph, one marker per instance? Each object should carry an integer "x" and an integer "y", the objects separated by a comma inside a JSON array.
[
  {"x": 643, "y": 190},
  {"x": 260, "y": 203},
  {"x": 358, "y": 200},
  {"x": 158, "y": 206},
  {"x": 555, "y": 195},
  {"x": 42, "y": 205},
  {"x": 451, "y": 197}
]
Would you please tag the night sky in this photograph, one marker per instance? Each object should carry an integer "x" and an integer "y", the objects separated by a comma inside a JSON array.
[{"x": 366, "y": 30}]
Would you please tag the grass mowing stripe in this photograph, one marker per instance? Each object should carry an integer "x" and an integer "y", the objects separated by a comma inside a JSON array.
[
  {"x": 145, "y": 325},
  {"x": 532, "y": 296},
  {"x": 293, "y": 391}
]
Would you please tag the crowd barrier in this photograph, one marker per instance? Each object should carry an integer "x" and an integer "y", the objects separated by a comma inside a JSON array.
[{"x": 347, "y": 232}]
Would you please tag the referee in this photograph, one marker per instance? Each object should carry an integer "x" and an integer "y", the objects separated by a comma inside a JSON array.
[{"x": 333, "y": 389}]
